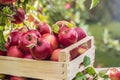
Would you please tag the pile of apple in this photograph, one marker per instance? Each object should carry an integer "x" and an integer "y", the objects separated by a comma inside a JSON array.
[{"x": 43, "y": 43}]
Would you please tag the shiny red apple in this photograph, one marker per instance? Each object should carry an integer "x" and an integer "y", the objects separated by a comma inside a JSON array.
[
  {"x": 44, "y": 28},
  {"x": 2, "y": 53},
  {"x": 42, "y": 50},
  {"x": 14, "y": 37},
  {"x": 81, "y": 33},
  {"x": 52, "y": 39},
  {"x": 14, "y": 51},
  {"x": 68, "y": 37},
  {"x": 28, "y": 56},
  {"x": 74, "y": 53},
  {"x": 28, "y": 39},
  {"x": 82, "y": 49},
  {"x": 55, "y": 54},
  {"x": 77, "y": 51},
  {"x": 61, "y": 23},
  {"x": 19, "y": 16}
]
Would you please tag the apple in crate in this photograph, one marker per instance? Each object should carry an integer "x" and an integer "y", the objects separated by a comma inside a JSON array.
[
  {"x": 44, "y": 28},
  {"x": 82, "y": 49},
  {"x": 52, "y": 39},
  {"x": 42, "y": 50},
  {"x": 5, "y": 2},
  {"x": 81, "y": 33},
  {"x": 67, "y": 37},
  {"x": 2, "y": 53},
  {"x": 17, "y": 78},
  {"x": 55, "y": 54},
  {"x": 28, "y": 39},
  {"x": 28, "y": 56},
  {"x": 13, "y": 38},
  {"x": 77, "y": 51},
  {"x": 14, "y": 51}
]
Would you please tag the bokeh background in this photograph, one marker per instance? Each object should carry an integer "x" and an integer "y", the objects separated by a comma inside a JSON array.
[{"x": 102, "y": 22}]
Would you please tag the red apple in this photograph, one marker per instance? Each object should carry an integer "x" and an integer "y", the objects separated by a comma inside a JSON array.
[
  {"x": 74, "y": 53},
  {"x": 19, "y": 16},
  {"x": 64, "y": 27},
  {"x": 5, "y": 2},
  {"x": 82, "y": 49},
  {"x": 60, "y": 26},
  {"x": 77, "y": 51},
  {"x": 55, "y": 54},
  {"x": 61, "y": 23},
  {"x": 2, "y": 53},
  {"x": 7, "y": 44},
  {"x": 28, "y": 56},
  {"x": 52, "y": 39},
  {"x": 68, "y": 37},
  {"x": 14, "y": 37},
  {"x": 16, "y": 78},
  {"x": 28, "y": 39},
  {"x": 44, "y": 28},
  {"x": 114, "y": 73},
  {"x": 14, "y": 51},
  {"x": 35, "y": 33},
  {"x": 81, "y": 33},
  {"x": 42, "y": 50}
]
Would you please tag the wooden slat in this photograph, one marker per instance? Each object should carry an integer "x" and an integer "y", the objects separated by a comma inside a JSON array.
[
  {"x": 84, "y": 40},
  {"x": 47, "y": 70},
  {"x": 75, "y": 65}
]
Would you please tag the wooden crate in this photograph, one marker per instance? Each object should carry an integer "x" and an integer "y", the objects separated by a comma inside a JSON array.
[{"x": 64, "y": 69}]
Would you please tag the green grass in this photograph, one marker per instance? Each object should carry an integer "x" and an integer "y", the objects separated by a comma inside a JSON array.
[{"x": 105, "y": 58}]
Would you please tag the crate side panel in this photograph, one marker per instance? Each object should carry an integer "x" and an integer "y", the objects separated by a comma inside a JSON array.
[
  {"x": 75, "y": 65},
  {"x": 33, "y": 68},
  {"x": 88, "y": 39}
]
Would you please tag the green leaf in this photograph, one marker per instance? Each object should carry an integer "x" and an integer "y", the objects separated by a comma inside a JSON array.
[
  {"x": 94, "y": 3},
  {"x": 80, "y": 76},
  {"x": 55, "y": 28},
  {"x": 70, "y": 25},
  {"x": 2, "y": 41},
  {"x": 90, "y": 71},
  {"x": 86, "y": 61},
  {"x": 7, "y": 10}
]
